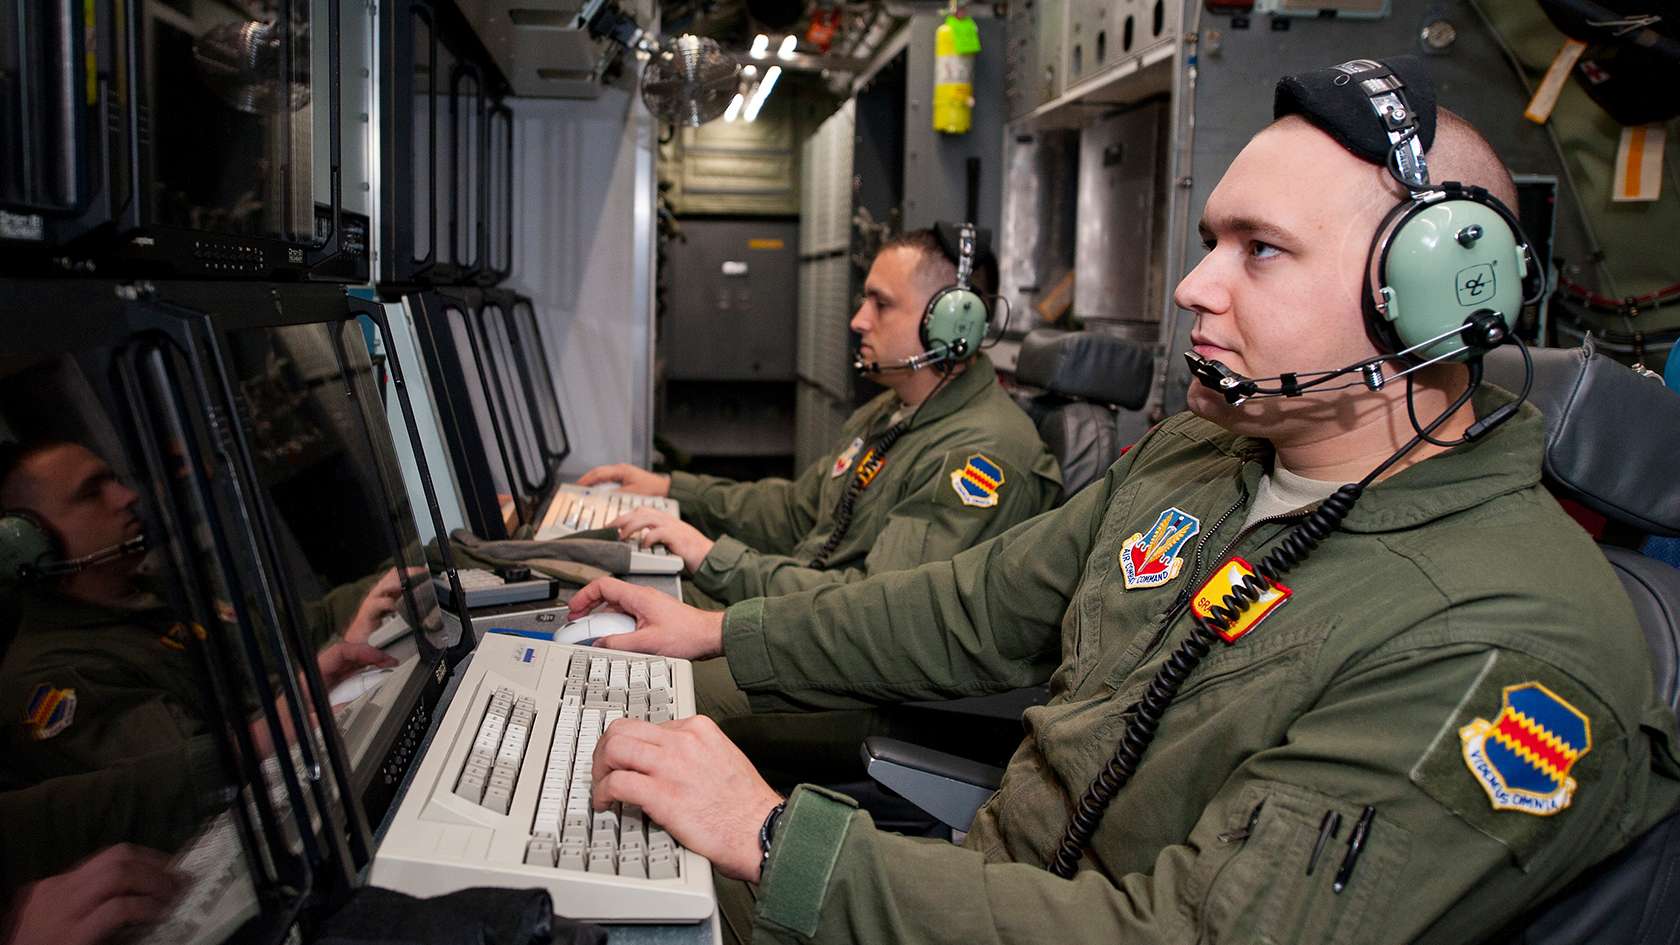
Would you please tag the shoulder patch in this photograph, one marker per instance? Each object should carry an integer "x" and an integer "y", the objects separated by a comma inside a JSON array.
[
  {"x": 978, "y": 481},
  {"x": 1523, "y": 757},
  {"x": 50, "y": 711},
  {"x": 1517, "y": 751}
]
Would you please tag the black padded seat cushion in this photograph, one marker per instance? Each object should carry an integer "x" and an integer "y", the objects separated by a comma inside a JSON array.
[
  {"x": 1085, "y": 441},
  {"x": 1611, "y": 441},
  {"x": 1654, "y": 588},
  {"x": 1086, "y": 365}
]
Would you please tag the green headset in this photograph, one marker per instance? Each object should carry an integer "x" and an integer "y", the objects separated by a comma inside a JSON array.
[
  {"x": 1447, "y": 253},
  {"x": 1447, "y": 273},
  {"x": 955, "y": 320},
  {"x": 32, "y": 551},
  {"x": 29, "y": 549}
]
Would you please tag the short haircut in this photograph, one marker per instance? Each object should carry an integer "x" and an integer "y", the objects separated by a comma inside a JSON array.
[
  {"x": 938, "y": 269},
  {"x": 12, "y": 457},
  {"x": 1463, "y": 154}
]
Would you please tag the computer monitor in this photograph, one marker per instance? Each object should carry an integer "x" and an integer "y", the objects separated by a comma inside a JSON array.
[
  {"x": 495, "y": 396},
  {"x": 158, "y": 669},
  {"x": 344, "y": 531}
]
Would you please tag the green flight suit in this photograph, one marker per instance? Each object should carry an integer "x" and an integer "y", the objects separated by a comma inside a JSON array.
[
  {"x": 912, "y": 512},
  {"x": 1452, "y": 589},
  {"x": 93, "y": 697},
  {"x": 131, "y": 744},
  {"x": 768, "y": 531}
]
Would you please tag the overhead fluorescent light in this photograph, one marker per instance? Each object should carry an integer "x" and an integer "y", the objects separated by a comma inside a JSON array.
[
  {"x": 734, "y": 110},
  {"x": 788, "y": 44},
  {"x": 750, "y": 71},
  {"x": 760, "y": 46},
  {"x": 762, "y": 92}
]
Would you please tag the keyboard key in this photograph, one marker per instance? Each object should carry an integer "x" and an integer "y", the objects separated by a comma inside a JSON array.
[
  {"x": 571, "y": 856},
  {"x": 661, "y": 864},
  {"x": 540, "y": 852}
]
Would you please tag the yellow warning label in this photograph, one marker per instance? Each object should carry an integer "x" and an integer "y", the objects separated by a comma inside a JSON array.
[{"x": 764, "y": 244}]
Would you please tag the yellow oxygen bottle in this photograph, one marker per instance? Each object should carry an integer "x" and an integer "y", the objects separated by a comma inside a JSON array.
[{"x": 955, "y": 45}]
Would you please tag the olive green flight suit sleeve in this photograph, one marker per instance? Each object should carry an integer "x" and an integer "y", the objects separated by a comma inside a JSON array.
[
  {"x": 929, "y": 524},
  {"x": 987, "y": 620},
  {"x": 55, "y": 824},
  {"x": 770, "y": 514},
  {"x": 1385, "y": 735}
]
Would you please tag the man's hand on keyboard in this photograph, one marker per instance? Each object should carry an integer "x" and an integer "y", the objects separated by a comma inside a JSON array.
[
  {"x": 690, "y": 778},
  {"x": 380, "y": 602},
  {"x": 665, "y": 626},
  {"x": 629, "y": 478},
  {"x": 105, "y": 895},
  {"x": 653, "y": 527}
]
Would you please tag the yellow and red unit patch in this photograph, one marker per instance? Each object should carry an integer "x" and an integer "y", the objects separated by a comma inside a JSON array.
[
  {"x": 50, "y": 711},
  {"x": 1523, "y": 757},
  {"x": 978, "y": 481},
  {"x": 1221, "y": 585}
]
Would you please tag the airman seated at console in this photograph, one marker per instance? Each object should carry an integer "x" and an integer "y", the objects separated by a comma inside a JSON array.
[
  {"x": 100, "y": 673},
  {"x": 941, "y": 460},
  {"x": 1452, "y": 715}
]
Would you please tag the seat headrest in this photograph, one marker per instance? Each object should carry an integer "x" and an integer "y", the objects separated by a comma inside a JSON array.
[
  {"x": 1088, "y": 365},
  {"x": 1611, "y": 434}
]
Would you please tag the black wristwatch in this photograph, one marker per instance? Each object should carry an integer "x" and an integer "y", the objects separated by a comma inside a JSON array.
[{"x": 767, "y": 832}]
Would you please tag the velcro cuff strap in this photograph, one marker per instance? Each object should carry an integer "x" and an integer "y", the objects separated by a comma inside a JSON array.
[
  {"x": 715, "y": 569},
  {"x": 743, "y": 643},
  {"x": 802, "y": 858}
]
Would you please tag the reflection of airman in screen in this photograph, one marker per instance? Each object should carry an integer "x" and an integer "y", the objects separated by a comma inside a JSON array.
[{"x": 100, "y": 673}]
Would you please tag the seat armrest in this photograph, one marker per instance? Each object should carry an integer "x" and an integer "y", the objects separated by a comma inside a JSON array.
[{"x": 949, "y": 788}]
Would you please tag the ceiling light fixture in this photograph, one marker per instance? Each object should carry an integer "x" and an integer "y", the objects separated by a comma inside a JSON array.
[{"x": 762, "y": 92}]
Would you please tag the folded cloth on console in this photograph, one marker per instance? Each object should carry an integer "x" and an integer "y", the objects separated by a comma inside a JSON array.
[
  {"x": 576, "y": 559},
  {"x": 375, "y": 916}
]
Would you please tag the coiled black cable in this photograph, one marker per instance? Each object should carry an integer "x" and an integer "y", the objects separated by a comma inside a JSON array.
[
  {"x": 1143, "y": 717},
  {"x": 867, "y": 467}
]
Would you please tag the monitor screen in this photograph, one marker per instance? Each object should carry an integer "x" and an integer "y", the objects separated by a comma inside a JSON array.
[
  {"x": 148, "y": 696},
  {"x": 344, "y": 529}
]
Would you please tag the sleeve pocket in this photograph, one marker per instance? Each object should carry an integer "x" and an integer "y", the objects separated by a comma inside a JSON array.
[{"x": 1255, "y": 857}]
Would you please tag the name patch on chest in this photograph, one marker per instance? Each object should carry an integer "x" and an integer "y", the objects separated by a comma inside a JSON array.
[
  {"x": 1153, "y": 561},
  {"x": 1221, "y": 585}
]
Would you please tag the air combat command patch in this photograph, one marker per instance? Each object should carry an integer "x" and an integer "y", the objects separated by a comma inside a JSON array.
[
  {"x": 50, "y": 711},
  {"x": 1153, "y": 562},
  {"x": 843, "y": 462},
  {"x": 978, "y": 481},
  {"x": 1522, "y": 758}
]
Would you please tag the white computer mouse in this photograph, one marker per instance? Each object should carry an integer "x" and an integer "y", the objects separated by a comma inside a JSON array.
[{"x": 603, "y": 624}]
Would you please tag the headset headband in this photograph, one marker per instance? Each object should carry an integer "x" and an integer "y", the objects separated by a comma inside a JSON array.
[
  {"x": 965, "y": 256},
  {"x": 1385, "y": 92}
]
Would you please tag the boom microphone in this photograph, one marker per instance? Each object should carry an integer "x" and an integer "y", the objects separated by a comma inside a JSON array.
[
  {"x": 133, "y": 546},
  {"x": 937, "y": 354},
  {"x": 1483, "y": 331}
]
